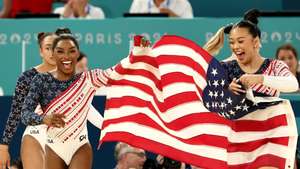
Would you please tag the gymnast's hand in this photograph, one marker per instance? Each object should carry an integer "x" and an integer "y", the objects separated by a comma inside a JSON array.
[
  {"x": 250, "y": 79},
  {"x": 4, "y": 157},
  {"x": 236, "y": 87},
  {"x": 54, "y": 120}
]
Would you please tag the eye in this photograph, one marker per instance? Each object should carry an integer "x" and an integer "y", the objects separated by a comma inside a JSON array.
[
  {"x": 72, "y": 51},
  {"x": 240, "y": 41},
  {"x": 59, "y": 51}
]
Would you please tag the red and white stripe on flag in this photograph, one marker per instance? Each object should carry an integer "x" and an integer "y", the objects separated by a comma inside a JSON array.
[{"x": 155, "y": 103}]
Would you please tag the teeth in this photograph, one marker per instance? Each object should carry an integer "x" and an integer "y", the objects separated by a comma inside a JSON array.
[{"x": 67, "y": 62}]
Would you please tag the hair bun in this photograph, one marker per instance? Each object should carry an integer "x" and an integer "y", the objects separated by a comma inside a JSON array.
[
  {"x": 228, "y": 28},
  {"x": 60, "y": 31},
  {"x": 252, "y": 15},
  {"x": 40, "y": 34}
]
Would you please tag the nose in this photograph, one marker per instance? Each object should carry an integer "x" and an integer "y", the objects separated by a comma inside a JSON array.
[
  {"x": 67, "y": 55},
  {"x": 235, "y": 46}
]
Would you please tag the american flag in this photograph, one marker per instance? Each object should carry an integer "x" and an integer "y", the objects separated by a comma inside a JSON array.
[
  {"x": 161, "y": 100},
  {"x": 217, "y": 97}
]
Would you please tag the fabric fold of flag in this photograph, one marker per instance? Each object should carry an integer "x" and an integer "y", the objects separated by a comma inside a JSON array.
[{"x": 158, "y": 102}]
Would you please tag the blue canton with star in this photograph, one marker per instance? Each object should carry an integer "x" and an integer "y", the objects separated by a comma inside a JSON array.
[{"x": 218, "y": 98}]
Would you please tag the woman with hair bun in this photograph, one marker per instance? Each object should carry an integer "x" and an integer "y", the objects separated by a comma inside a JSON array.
[
  {"x": 266, "y": 76},
  {"x": 249, "y": 69},
  {"x": 34, "y": 136},
  {"x": 65, "y": 97}
]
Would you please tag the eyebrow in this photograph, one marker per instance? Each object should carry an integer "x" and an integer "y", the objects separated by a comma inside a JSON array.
[
  {"x": 59, "y": 48},
  {"x": 67, "y": 49},
  {"x": 238, "y": 38}
]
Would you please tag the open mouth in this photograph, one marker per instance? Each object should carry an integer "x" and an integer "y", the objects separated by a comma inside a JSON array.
[
  {"x": 67, "y": 64},
  {"x": 240, "y": 55}
]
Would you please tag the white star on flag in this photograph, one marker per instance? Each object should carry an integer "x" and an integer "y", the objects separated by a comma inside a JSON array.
[
  {"x": 207, "y": 105},
  {"x": 214, "y": 72},
  {"x": 245, "y": 107},
  {"x": 216, "y": 94},
  {"x": 216, "y": 83},
  {"x": 237, "y": 107},
  {"x": 222, "y": 82},
  {"x": 222, "y": 94},
  {"x": 232, "y": 112},
  {"x": 211, "y": 94},
  {"x": 229, "y": 100},
  {"x": 222, "y": 105}
]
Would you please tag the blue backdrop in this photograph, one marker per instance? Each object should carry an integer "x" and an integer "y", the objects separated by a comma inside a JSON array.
[{"x": 106, "y": 42}]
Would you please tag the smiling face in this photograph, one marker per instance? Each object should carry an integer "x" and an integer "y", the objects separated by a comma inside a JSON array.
[
  {"x": 243, "y": 44},
  {"x": 66, "y": 54}
]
